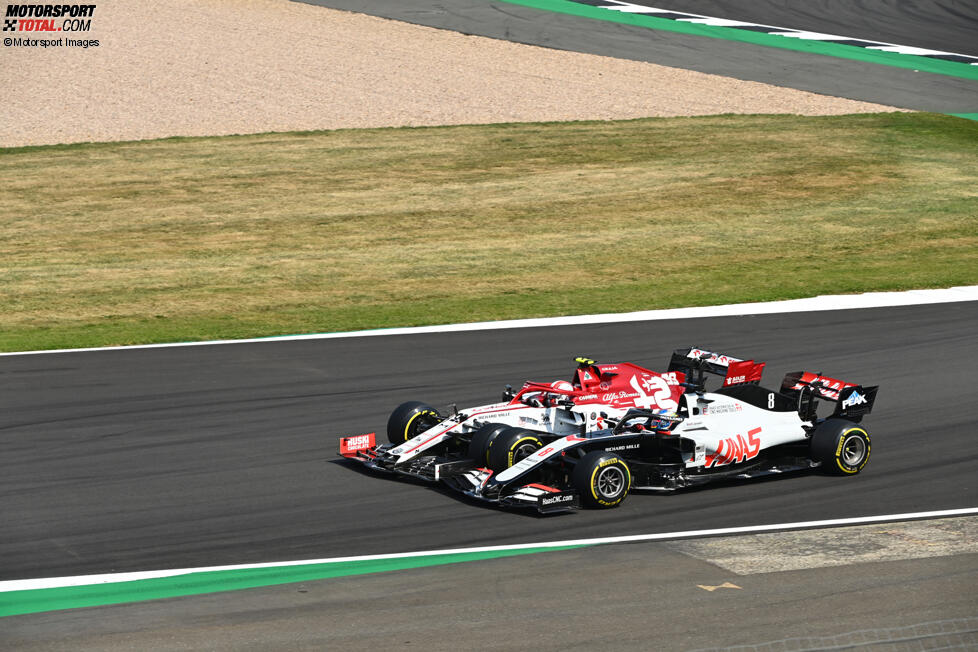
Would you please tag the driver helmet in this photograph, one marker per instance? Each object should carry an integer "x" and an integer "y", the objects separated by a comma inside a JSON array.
[{"x": 563, "y": 386}]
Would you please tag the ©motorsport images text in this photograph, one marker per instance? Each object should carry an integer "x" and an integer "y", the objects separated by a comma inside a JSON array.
[{"x": 45, "y": 18}]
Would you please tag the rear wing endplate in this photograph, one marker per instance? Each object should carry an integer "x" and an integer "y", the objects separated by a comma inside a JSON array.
[{"x": 852, "y": 400}]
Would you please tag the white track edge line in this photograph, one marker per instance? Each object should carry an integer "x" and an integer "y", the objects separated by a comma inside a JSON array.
[
  {"x": 113, "y": 578},
  {"x": 810, "y": 304}
]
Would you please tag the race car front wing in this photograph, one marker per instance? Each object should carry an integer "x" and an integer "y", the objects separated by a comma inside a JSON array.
[
  {"x": 545, "y": 499},
  {"x": 363, "y": 449}
]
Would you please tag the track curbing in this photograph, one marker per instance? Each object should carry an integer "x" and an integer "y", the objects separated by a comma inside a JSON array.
[
  {"x": 20, "y": 597},
  {"x": 781, "y": 38}
]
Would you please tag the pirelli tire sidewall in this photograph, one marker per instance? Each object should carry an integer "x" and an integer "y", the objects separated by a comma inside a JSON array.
[
  {"x": 602, "y": 479},
  {"x": 843, "y": 447},
  {"x": 481, "y": 441},
  {"x": 410, "y": 419},
  {"x": 510, "y": 446}
]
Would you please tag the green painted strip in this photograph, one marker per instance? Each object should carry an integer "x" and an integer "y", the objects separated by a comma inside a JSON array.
[
  {"x": 14, "y": 603},
  {"x": 967, "y": 116},
  {"x": 909, "y": 61}
]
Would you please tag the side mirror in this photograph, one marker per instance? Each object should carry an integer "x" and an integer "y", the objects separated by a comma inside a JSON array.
[{"x": 508, "y": 393}]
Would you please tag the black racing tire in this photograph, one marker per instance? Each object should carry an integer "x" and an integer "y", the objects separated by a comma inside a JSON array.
[
  {"x": 511, "y": 446},
  {"x": 841, "y": 446},
  {"x": 481, "y": 441},
  {"x": 602, "y": 479},
  {"x": 410, "y": 419}
]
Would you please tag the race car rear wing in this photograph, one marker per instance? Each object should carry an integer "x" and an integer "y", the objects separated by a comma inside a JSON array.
[
  {"x": 852, "y": 401},
  {"x": 694, "y": 361}
]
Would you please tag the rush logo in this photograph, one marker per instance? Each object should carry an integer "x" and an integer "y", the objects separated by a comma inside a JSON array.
[{"x": 735, "y": 449}]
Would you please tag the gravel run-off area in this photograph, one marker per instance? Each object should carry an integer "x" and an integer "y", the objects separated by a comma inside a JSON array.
[{"x": 215, "y": 67}]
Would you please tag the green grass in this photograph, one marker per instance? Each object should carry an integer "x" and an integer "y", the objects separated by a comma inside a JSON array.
[{"x": 203, "y": 238}]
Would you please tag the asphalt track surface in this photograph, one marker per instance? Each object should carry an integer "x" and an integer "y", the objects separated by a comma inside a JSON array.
[
  {"x": 130, "y": 460},
  {"x": 924, "y": 23}
]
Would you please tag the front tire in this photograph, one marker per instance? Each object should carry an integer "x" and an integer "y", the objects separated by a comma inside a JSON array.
[
  {"x": 481, "y": 441},
  {"x": 602, "y": 479},
  {"x": 409, "y": 420},
  {"x": 841, "y": 446},
  {"x": 512, "y": 446}
]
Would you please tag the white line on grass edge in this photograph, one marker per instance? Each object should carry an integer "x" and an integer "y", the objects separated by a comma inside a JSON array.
[
  {"x": 826, "y": 302},
  {"x": 88, "y": 580}
]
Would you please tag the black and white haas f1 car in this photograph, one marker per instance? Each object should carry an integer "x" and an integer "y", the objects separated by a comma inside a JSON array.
[{"x": 619, "y": 427}]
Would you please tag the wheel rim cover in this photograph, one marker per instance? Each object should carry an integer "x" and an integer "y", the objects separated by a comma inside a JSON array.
[
  {"x": 853, "y": 451},
  {"x": 523, "y": 451},
  {"x": 610, "y": 482}
]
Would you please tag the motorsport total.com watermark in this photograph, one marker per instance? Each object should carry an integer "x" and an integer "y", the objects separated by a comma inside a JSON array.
[{"x": 34, "y": 26}]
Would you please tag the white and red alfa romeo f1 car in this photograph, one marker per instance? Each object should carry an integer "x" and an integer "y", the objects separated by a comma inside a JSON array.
[{"x": 615, "y": 427}]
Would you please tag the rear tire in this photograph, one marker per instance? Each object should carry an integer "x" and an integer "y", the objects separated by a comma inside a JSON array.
[
  {"x": 602, "y": 479},
  {"x": 409, "y": 420},
  {"x": 481, "y": 441},
  {"x": 512, "y": 446},
  {"x": 841, "y": 446}
]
